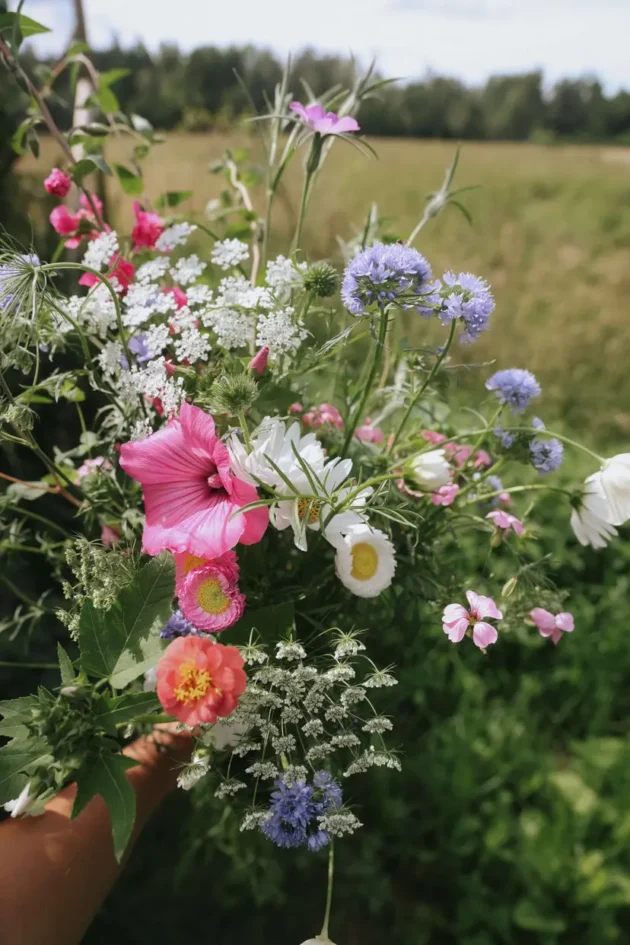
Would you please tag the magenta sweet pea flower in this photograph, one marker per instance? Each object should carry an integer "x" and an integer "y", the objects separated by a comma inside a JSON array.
[
  {"x": 324, "y": 123},
  {"x": 550, "y": 625},
  {"x": 456, "y": 620},
  {"x": 368, "y": 433},
  {"x": 57, "y": 183},
  {"x": 506, "y": 521},
  {"x": 259, "y": 362},
  {"x": 190, "y": 493},
  {"x": 148, "y": 228}
]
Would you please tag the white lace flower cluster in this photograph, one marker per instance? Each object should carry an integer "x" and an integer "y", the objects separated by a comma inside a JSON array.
[
  {"x": 100, "y": 250},
  {"x": 295, "y": 714},
  {"x": 153, "y": 382}
]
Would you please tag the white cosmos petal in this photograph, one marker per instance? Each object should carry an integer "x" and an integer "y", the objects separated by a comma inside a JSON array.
[
  {"x": 591, "y": 522},
  {"x": 615, "y": 482}
]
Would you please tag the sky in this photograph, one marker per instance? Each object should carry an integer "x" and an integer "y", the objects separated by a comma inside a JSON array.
[{"x": 466, "y": 39}]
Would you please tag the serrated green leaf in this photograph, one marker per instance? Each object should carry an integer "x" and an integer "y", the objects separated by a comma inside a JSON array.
[
  {"x": 65, "y": 666},
  {"x": 130, "y": 182},
  {"x": 126, "y": 708},
  {"x": 124, "y": 641},
  {"x": 104, "y": 774},
  {"x": 28, "y": 27},
  {"x": 18, "y": 709},
  {"x": 15, "y": 759},
  {"x": 172, "y": 198}
]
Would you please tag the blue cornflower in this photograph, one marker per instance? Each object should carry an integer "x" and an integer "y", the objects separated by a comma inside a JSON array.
[
  {"x": 505, "y": 437},
  {"x": 515, "y": 387},
  {"x": 467, "y": 297},
  {"x": 177, "y": 626},
  {"x": 546, "y": 455},
  {"x": 386, "y": 273},
  {"x": 295, "y": 808}
]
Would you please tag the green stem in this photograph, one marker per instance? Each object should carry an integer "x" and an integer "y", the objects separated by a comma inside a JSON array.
[
  {"x": 24, "y": 665},
  {"x": 329, "y": 888},
  {"x": 44, "y": 521},
  {"x": 491, "y": 495},
  {"x": 267, "y": 225},
  {"x": 305, "y": 193},
  {"x": 367, "y": 387},
  {"x": 243, "y": 423},
  {"x": 548, "y": 433},
  {"x": 430, "y": 376}
]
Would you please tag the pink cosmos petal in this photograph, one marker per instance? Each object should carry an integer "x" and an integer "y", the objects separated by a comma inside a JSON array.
[
  {"x": 473, "y": 599},
  {"x": 481, "y": 606},
  {"x": 545, "y": 621},
  {"x": 346, "y": 124},
  {"x": 565, "y": 622},
  {"x": 484, "y": 634},
  {"x": 453, "y": 613}
]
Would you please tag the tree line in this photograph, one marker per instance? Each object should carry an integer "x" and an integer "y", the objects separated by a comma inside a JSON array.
[{"x": 201, "y": 90}]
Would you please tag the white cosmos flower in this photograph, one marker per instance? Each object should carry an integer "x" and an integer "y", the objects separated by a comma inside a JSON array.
[
  {"x": 365, "y": 561},
  {"x": 316, "y": 514},
  {"x": 273, "y": 441},
  {"x": 429, "y": 470},
  {"x": 615, "y": 482},
  {"x": 591, "y": 522}
]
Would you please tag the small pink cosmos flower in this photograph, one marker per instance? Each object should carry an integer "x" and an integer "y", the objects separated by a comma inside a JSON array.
[
  {"x": 57, "y": 183},
  {"x": 506, "y": 521},
  {"x": 456, "y": 620},
  {"x": 148, "y": 227},
  {"x": 324, "y": 123},
  {"x": 199, "y": 680},
  {"x": 550, "y": 626},
  {"x": 191, "y": 497},
  {"x": 368, "y": 433},
  {"x": 210, "y": 598},
  {"x": 445, "y": 495},
  {"x": 259, "y": 362},
  {"x": 432, "y": 436}
]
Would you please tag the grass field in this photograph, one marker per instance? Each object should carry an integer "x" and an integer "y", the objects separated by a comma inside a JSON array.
[{"x": 551, "y": 232}]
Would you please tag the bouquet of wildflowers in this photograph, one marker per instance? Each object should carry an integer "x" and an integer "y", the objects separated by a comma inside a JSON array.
[{"x": 251, "y": 503}]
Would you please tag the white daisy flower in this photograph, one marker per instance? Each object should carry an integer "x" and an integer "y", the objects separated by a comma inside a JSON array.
[
  {"x": 365, "y": 561},
  {"x": 273, "y": 441},
  {"x": 317, "y": 513},
  {"x": 591, "y": 522}
]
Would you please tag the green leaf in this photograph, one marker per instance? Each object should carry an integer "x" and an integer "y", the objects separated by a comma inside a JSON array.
[
  {"x": 28, "y": 27},
  {"x": 126, "y": 708},
  {"x": 130, "y": 182},
  {"x": 104, "y": 99},
  {"x": 238, "y": 231},
  {"x": 15, "y": 758},
  {"x": 88, "y": 165},
  {"x": 172, "y": 198},
  {"x": 65, "y": 666},
  {"x": 26, "y": 490},
  {"x": 69, "y": 391},
  {"x": 142, "y": 126},
  {"x": 18, "y": 709},
  {"x": 112, "y": 75},
  {"x": 123, "y": 642},
  {"x": 527, "y": 915},
  {"x": 76, "y": 48},
  {"x": 104, "y": 774}
]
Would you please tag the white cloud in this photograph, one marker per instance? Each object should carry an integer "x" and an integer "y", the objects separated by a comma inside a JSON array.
[{"x": 470, "y": 39}]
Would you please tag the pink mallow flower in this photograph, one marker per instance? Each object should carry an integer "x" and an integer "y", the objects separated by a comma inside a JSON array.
[
  {"x": 456, "y": 620},
  {"x": 259, "y": 362},
  {"x": 190, "y": 493},
  {"x": 57, "y": 183},
  {"x": 550, "y": 626},
  {"x": 209, "y": 597},
  {"x": 319, "y": 416},
  {"x": 445, "y": 495},
  {"x": 322, "y": 122},
  {"x": 120, "y": 270},
  {"x": 506, "y": 521},
  {"x": 185, "y": 563},
  {"x": 148, "y": 227},
  {"x": 432, "y": 436},
  {"x": 199, "y": 680},
  {"x": 368, "y": 433}
]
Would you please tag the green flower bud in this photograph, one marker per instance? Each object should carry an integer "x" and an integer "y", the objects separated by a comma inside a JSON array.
[
  {"x": 232, "y": 394},
  {"x": 322, "y": 280},
  {"x": 509, "y": 587}
]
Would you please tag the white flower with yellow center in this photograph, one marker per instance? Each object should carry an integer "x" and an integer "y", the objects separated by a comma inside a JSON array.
[
  {"x": 365, "y": 561},
  {"x": 324, "y": 489},
  {"x": 273, "y": 445}
]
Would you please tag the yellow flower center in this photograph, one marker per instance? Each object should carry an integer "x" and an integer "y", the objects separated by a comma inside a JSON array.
[
  {"x": 308, "y": 507},
  {"x": 193, "y": 683},
  {"x": 211, "y": 598},
  {"x": 193, "y": 561},
  {"x": 364, "y": 561}
]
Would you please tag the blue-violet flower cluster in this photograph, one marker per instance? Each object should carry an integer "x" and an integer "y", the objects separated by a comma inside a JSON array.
[
  {"x": 466, "y": 297},
  {"x": 295, "y": 809},
  {"x": 546, "y": 455},
  {"x": 515, "y": 387},
  {"x": 388, "y": 273}
]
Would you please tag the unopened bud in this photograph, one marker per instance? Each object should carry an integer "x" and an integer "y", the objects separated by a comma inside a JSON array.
[
  {"x": 259, "y": 362},
  {"x": 509, "y": 587},
  {"x": 322, "y": 280}
]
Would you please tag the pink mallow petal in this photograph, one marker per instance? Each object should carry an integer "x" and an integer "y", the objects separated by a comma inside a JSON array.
[
  {"x": 453, "y": 613},
  {"x": 545, "y": 621},
  {"x": 484, "y": 634},
  {"x": 456, "y": 630},
  {"x": 481, "y": 606},
  {"x": 164, "y": 457},
  {"x": 565, "y": 622}
]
